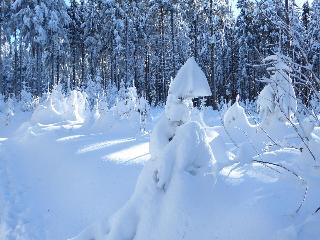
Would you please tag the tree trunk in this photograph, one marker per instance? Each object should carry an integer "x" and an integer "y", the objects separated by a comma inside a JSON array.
[
  {"x": 173, "y": 43},
  {"x": 212, "y": 61},
  {"x": 1, "y": 61}
]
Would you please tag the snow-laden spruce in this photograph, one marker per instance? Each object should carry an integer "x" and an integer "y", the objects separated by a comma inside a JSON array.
[{"x": 277, "y": 100}]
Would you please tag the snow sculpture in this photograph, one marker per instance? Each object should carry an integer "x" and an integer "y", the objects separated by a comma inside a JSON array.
[{"x": 277, "y": 100}]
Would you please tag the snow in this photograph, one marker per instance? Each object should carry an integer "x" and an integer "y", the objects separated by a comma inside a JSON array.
[
  {"x": 78, "y": 179},
  {"x": 190, "y": 81},
  {"x": 57, "y": 189},
  {"x": 56, "y": 107},
  {"x": 129, "y": 171},
  {"x": 278, "y": 99}
]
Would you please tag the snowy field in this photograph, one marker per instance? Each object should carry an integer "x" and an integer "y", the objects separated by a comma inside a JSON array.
[
  {"x": 58, "y": 178},
  {"x": 176, "y": 172}
]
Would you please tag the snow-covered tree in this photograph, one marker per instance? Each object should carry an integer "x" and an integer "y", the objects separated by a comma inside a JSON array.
[
  {"x": 189, "y": 83},
  {"x": 314, "y": 37},
  {"x": 26, "y": 100},
  {"x": 179, "y": 151},
  {"x": 277, "y": 100}
]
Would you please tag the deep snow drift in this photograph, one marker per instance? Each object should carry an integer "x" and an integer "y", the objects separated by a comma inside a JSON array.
[{"x": 121, "y": 170}]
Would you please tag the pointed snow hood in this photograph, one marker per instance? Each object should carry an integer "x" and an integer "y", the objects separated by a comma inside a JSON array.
[{"x": 190, "y": 81}]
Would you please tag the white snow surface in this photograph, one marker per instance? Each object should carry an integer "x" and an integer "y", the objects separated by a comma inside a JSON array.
[{"x": 67, "y": 179}]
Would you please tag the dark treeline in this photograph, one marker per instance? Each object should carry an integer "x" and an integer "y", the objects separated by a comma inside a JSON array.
[{"x": 143, "y": 43}]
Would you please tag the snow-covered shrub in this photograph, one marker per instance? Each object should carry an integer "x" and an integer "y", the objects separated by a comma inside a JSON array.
[
  {"x": 126, "y": 103},
  {"x": 2, "y": 103},
  {"x": 49, "y": 109},
  {"x": 2, "y": 110},
  {"x": 93, "y": 90},
  {"x": 277, "y": 100},
  {"x": 76, "y": 106},
  {"x": 103, "y": 117},
  {"x": 144, "y": 110},
  {"x": 7, "y": 110},
  {"x": 125, "y": 112},
  {"x": 57, "y": 107},
  {"x": 111, "y": 94},
  {"x": 236, "y": 123},
  {"x": 26, "y": 102}
]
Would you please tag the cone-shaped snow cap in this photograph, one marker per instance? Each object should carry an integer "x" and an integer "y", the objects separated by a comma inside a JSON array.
[{"x": 190, "y": 81}]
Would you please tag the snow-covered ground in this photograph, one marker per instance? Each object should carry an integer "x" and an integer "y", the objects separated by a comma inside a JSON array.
[
  {"x": 58, "y": 178},
  {"x": 128, "y": 172}
]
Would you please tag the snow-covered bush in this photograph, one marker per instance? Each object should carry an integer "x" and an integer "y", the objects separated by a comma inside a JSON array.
[
  {"x": 93, "y": 90},
  {"x": 26, "y": 102},
  {"x": 236, "y": 123},
  {"x": 2, "y": 104},
  {"x": 5, "y": 112},
  {"x": 277, "y": 100},
  {"x": 57, "y": 107},
  {"x": 76, "y": 106},
  {"x": 129, "y": 110},
  {"x": 126, "y": 103},
  {"x": 144, "y": 111},
  {"x": 8, "y": 111}
]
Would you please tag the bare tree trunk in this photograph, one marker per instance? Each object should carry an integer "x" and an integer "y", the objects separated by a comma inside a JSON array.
[
  {"x": 163, "y": 78},
  {"x": 73, "y": 81},
  {"x": 82, "y": 65},
  {"x": 127, "y": 53},
  {"x": 1, "y": 62},
  {"x": 21, "y": 80},
  {"x": 146, "y": 78},
  {"x": 15, "y": 66},
  {"x": 212, "y": 61},
  {"x": 58, "y": 68},
  {"x": 173, "y": 43},
  {"x": 195, "y": 47}
]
